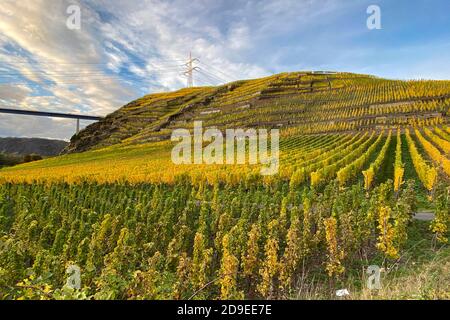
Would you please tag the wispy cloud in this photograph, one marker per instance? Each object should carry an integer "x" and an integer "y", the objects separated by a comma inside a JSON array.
[{"x": 129, "y": 48}]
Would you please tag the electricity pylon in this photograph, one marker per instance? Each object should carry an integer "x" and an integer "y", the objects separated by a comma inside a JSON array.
[{"x": 189, "y": 73}]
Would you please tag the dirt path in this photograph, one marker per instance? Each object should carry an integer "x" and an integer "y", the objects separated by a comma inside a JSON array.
[{"x": 424, "y": 216}]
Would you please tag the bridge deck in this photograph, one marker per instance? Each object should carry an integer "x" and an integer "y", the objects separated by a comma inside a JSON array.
[{"x": 50, "y": 114}]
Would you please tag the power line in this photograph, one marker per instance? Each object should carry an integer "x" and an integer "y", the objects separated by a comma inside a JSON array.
[
  {"x": 76, "y": 77},
  {"x": 86, "y": 79},
  {"x": 205, "y": 80},
  {"x": 70, "y": 73},
  {"x": 212, "y": 76},
  {"x": 211, "y": 79},
  {"x": 86, "y": 76},
  {"x": 53, "y": 63},
  {"x": 229, "y": 78}
]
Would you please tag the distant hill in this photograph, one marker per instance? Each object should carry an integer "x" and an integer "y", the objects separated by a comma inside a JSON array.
[
  {"x": 24, "y": 146},
  {"x": 305, "y": 102}
]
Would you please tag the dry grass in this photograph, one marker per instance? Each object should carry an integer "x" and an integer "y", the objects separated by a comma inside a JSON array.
[
  {"x": 421, "y": 273},
  {"x": 428, "y": 281}
]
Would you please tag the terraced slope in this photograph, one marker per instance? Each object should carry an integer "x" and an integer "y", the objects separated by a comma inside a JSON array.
[
  {"x": 370, "y": 157},
  {"x": 150, "y": 112},
  {"x": 302, "y": 102},
  {"x": 359, "y": 156}
]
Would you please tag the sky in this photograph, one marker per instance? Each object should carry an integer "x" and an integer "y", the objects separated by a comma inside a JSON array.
[{"x": 123, "y": 50}]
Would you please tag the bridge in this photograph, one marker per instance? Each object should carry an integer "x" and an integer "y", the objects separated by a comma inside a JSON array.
[{"x": 78, "y": 117}]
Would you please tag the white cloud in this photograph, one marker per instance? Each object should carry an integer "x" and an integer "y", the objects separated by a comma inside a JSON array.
[
  {"x": 150, "y": 39},
  {"x": 32, "y": 127},
  {"x": 16, "y": 93},
  {"x": 72, "y": 67}
]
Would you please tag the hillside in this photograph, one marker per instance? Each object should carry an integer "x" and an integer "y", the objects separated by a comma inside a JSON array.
[
  {"x": 358, "y": 158},
  {"x": 331, "y": 124},
  {"x": 322, "y": 117},
  {"x": 24, "y": 146},
  {"x": 320, "y": 102}
]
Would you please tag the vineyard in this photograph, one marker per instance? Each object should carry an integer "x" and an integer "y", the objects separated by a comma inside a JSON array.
[{"x": 359, "y": 158}]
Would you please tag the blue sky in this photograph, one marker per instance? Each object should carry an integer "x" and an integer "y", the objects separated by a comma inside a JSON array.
[{"x": 126, "y": 49}]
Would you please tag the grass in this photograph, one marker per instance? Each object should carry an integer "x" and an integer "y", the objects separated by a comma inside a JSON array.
[{"x": 421, "y": 273}]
